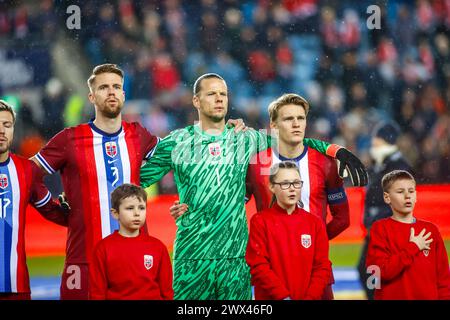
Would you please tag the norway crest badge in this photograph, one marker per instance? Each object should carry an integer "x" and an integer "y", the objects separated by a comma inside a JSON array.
[
  {"x": 214, "y": 149},
  {"x": 3, "y": 181},
  {"x": 306, "y": 240},
  {"x": 148, "y": 261},
  {"x": 111, "y": 148}
]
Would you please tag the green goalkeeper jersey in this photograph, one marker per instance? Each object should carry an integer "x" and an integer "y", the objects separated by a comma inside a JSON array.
[{"x": 210, "y": 176}]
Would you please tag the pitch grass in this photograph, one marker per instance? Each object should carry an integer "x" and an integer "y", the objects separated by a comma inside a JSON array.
[{"x": 342, "y": 255}]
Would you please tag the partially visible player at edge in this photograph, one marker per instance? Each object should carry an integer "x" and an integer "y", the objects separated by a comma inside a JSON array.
[
  {"x": 20, "y": 184},
  {"x": 210, "y": 164}
]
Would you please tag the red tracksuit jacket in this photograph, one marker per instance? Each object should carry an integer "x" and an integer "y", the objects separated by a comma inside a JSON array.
[
  {"x": 288, "y": 255},
  {"x": 136, "y": 268},
  {"x": 406, "y": 272}
]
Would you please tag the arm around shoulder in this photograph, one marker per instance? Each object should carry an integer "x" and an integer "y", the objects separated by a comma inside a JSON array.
[{"x": 159, "y": 162}]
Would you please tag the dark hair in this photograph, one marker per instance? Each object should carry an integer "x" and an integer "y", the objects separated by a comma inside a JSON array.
[
  {"x": 4, "y": 106},
  {"x": 274, "y": 171},
  {"x": 104, "y": 68},
  {"x": 389, "y": 178},
  {"x": 199, "y": 80},
  {"x": 125, "y": 191}
]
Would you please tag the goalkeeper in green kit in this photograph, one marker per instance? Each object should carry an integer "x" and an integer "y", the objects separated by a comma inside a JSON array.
[{"x": 210, "y": 160}]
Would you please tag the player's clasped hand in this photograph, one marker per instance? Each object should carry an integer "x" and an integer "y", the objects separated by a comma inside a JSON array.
[
  {"x": 63, "y": 203},
  {"x": 354, "y": 166},
  {"x": 421, "y": 240},
  {"x": 177, "y": 209},
  {"x": 238, "y": 124}
]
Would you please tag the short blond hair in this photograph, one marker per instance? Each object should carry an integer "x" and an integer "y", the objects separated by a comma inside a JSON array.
[
  {"x": 389, "y": 178},
  {"x": 285, "y": 99},
  {"x": 103, "y": 68}
]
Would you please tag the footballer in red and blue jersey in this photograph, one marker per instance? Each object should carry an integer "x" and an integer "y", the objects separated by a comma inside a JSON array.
[
  {"x": 92, "y": 163},
  {"x": 20, "y": 184}
]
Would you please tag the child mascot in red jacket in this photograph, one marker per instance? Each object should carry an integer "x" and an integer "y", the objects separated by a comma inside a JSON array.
[{"x": 287, "y": 249}]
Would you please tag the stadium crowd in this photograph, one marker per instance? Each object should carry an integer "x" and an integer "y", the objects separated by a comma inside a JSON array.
[{"x": 352, "y": 76}]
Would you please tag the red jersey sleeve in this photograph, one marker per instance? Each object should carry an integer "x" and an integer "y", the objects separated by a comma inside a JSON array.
[
  {"x": 42, "y": 200},
  {"x": 442, "y": 267},
  {"x": 321, "y": 270},
  {"x": 258, "y": 259},
  {"x": 52, "y": 156},
  {"x": 379, "y": 254},
  {"x": 165, "y": 277},
  {"x": 148, "y": 141},
  {"x": 98, "y": 283},
  {"x": 337, "y": 201},
  {"x": 257, "y": 180}
]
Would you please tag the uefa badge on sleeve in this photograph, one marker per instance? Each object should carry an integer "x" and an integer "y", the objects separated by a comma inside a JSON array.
[
  {"x": 306, "y": 240},
  {"x": 148, "y": 261}
]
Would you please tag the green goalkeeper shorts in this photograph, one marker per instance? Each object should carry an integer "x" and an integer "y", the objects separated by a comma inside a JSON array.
[{"x": 218, "y": 279}]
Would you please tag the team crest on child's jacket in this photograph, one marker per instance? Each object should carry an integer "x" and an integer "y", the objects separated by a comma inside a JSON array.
[
  {"x": 111, "y": 148},
  {"x": 214, "y": 149},
  {"x": 3, "y": 181},
  {"x": 306, "y": 240},
  {"x": 148, "y": 261}
]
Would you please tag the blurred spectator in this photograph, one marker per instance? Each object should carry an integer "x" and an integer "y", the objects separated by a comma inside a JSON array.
[
  {"x": 350, "y": 34},
  {"x": 372, "y": 80},
  {"x": 352, "y": 72},
  {"x": 128, "y": 20},
  {"x": 21, "y": 22},
  {"x": 53, "y": 104},
  {"x": 404, "y": 38},
  {"x": 327, "y": 71},
  {"x": 329, "y": 30},
  {"x": 175, "y": 22},
  {"x": 334, "y": 106},
  {"x": 142, "y": 81},
  {"x": 164, "y": 73},
  {"x": 210, "y": 33},
  {"x": 442, "y": 56}
]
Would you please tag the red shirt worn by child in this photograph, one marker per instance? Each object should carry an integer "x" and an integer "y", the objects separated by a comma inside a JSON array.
[
  {"x": 322, "y": 186},
  {"x": 406, "y": 272},
  {"x": 288, "y": 254},
  {"x": 136, "y": 268}
]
